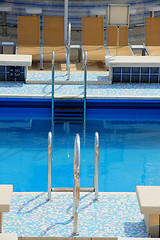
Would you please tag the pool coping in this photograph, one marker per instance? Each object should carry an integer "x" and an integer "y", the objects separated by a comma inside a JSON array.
[
  {"x": 68, "y": 238},
  {"x": 79, "y": 97}
]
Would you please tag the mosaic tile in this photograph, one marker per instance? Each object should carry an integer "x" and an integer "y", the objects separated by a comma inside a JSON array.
[
  {"x": 112, "y": 216},
  {"x": 118, "y": 90}
]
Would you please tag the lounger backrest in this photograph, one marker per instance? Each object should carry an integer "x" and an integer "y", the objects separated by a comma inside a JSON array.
[
  {"x": 28, "y": 30},
  {"x": 152, "y": 31},
  {"x": 112, "y": 35},
  {"x": 53, "y": 31},
  {"x": 92, "y": 28}
]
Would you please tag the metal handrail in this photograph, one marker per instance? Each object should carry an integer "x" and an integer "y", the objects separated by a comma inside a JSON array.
[
  {"x": 76, "y": 174},
  {"x": 85, "y": 84},
  {"x": 52, "y": 86},
  {"x": 68, "y": 50},
  {"x": 76, "y": 182},
  {"x": 49, "y": 165},
  {"x": 96, "y": 164}
]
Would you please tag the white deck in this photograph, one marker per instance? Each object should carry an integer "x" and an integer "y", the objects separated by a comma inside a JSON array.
[
  {"x": 132, "y": 61},
  {"x": 5, "y": 197},
  {"x": 148, "y": 199},
  {"x": 8, "y": 236},
  {"x": 15, "y": 60}
]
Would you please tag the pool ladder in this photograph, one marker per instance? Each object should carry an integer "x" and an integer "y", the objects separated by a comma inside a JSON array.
[
  {"x": 76, "y": 176},
  {"x": 69, "y": 108}
]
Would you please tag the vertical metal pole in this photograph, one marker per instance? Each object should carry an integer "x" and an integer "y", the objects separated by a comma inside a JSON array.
[
  {"x": 76, "y": 182},
  {"x": 85, "y": 85},
  {"x": 117, "y": 40},
  {"x": 49, "y": 165},
  {"x": 96, "y": 164},
  {"x": 52, "y": 86},
  {"x": 65, "y": 21},
  {"x": 68, "y": 50}
]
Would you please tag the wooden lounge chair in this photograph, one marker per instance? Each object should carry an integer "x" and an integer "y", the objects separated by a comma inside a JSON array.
[
  {"x": 29, "y": 36},
  {"x": 152, "y": 31},
  {"x": 123, "y": 49},
  {"x": 93, "y": 38},
  {"x": 53, "y": 38}
]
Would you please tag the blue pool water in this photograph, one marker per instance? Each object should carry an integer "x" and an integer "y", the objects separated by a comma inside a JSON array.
[{"x": 129, "y": 152}]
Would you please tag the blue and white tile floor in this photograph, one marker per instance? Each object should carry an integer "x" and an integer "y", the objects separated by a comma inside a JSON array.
[
  {"x": 116, "y": 91},
  {"x": 114, "y": 215},
  {"x": 61, "y": 76}
]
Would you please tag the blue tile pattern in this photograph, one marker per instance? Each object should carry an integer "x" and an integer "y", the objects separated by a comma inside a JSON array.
[
  {"x": 63, "y": 76},
  {"x": 117, "y": 90},
  {"x": 114, "y": 215}
]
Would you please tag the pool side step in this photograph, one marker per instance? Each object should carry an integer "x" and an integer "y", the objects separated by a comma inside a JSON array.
[{"x": 69, "y": 110}]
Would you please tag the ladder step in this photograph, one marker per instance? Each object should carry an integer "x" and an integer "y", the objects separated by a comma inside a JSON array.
[
  {"x": 71, "y": 190},
  {"x": 70, "y": 122},
  {"x": 62, "y": 115},
  {"x": 68, "y": 117},
  {"x": 69, "y": 109}
]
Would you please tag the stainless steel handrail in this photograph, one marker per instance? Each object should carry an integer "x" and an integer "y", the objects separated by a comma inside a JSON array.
[
  {"x": 52, "y": 86},
  {"x": 68, "y": 50},
  {"x": 49, "y": 165},
  {"x": 85, "y": 84},
  {"x": 76, "y": 182},
  {"x": 96, "y": 164}
]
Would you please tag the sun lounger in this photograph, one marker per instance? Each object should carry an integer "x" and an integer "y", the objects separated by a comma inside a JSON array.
[
  {"x": 93, "y": 38},
  {"x": 29, "y": 36},
  {"x": 152, "y": 31},
  {"x": 53, "y": 38},
  {"x": 123, "y": 48}
]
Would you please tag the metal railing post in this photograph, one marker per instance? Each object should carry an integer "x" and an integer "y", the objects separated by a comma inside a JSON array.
[
  {"x": 85, "y": 85},
  {"x": 76, "y": 182},
  {"x": 65, "y": 20},
  {"x": 96, "y": 164},
  {"x": 68, "y": 50},
  {"x": 52, "y": 86},
  {"x": 49, "y": 165}
]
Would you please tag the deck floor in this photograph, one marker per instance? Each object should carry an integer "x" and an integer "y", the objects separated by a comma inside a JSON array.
[
  {"x": 113, "y": 91},
  {"x": 114, "y": 215}
]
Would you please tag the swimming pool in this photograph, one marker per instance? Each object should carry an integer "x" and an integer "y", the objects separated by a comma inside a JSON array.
[{"x": 129, "y": 149}]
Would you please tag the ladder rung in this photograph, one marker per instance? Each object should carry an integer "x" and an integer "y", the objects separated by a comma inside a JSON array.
[
  {"x": 68, "y": 116},
  {"x": 71, "y": 189},
  {"x": 69, "y": 109},
  {"x": 70, "y": 122}
]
